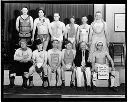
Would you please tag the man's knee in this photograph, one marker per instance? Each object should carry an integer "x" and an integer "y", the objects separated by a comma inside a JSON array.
[
  {"x": 31, "y": 69},
  {"x": 59, "y": 70},
  {"x": 26, "y": 74}
]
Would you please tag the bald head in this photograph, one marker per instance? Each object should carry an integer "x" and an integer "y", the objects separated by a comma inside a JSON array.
[{"x": 83, "y": 45}]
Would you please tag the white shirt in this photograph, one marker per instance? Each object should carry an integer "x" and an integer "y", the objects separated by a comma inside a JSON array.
[
  {"x": 23, "y": 55},
  {"x": 57, "y": 29},
  {"x": 43, "y": 27},
  {"x": 39, "y": 57}
]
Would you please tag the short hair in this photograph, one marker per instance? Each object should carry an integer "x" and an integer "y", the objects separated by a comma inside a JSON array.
[
  {"x": 41, "y": 8},
  {"x": 54, "y": 40},
  {"x": 84, "y": 17},
  {"x": 72, "y": 17},
  {"x": 56, "y": 13},
  {"x": 24, "y": 7},
  {"x": 98, "y": 43},
  {"x": 23, "y": 40},
  {"x": 67, "y": 42},
  {"x": 98, "y": 11},
  {"x": 83, "y": 42}
]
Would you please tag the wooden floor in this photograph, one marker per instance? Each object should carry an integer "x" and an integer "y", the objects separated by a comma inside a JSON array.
[{"x": 66, "y": 92}]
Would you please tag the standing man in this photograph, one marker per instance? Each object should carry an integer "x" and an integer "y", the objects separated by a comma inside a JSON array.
[
  {"x": 71, "y": 31},
  {"x": 83, "y": 31},
  {"x": 42, "y": 25},
  {"x": 22, "y": 63},
  {"x": 24, "y": 25},
  {"x": 98, "y": 32},
  {"x": 57, "y": 30}
]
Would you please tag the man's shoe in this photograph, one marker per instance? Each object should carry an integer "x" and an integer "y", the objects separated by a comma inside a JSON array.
[
  {"x": 24, "y": 86},
  {"x": 94, "y": 88},
  {"x": 71, "y": 85},
  {"x": 88, "y": 88},
  {"x": 115, "y": 89},
  {"x": 63, "y": 83},
  {"x": 11, "y": 85},
  {"x": 31, "y": 84},
  {"x": 45, "y": 82}
]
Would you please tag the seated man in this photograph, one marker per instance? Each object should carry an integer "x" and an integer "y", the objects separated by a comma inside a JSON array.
[
  {"x": 68, "y": 56},
  {"x": 21, "y": 64},
  {"x": 82, "y": 65},
  {"x": 39, "y": 64},
  {"x": 100, "y": 58},
  {"x": 54, "y": 61}
]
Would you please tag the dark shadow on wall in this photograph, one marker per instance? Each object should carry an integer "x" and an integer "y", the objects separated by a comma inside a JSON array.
[
  {"x": 90, "y": 19},
  {"x": 33, "y": 13},
  {"x": 66, "y": 21},
  {"x": 78, "y": 21},
  {"x": 50, "y": 17},
  {"x": 13, "y": 38}
]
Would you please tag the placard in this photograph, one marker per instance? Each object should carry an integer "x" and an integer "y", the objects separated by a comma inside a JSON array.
[
  {"x": 103, "y": 72},
  {"x": 119, "y": 21}
]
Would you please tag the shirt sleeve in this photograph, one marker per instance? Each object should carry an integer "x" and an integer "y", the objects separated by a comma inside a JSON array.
[
  {"x": 46, "y": 56},
  {"x": 17, "y": 23},
  {"x": 62, "y": 54},
  {"x": 30, "y": 54},
  {"x": 74, "y": 53},
  {"x": 17, "y": 56}
]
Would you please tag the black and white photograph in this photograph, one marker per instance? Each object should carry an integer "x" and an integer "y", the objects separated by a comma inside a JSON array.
[{"x": 59, "y": 50}]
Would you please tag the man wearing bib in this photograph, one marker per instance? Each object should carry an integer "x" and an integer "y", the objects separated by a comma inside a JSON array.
[
  {"x": 54, "y": 62},
  {"x": 39, "y": 64},
  {"x": 83, "y": 66},
  {"x": 42, "y": 25},
  {"x": 99, "y": 60},
  {"x": 71, "y": 30},
  {"x": 98, "y": 31},
  {"x": 24, "y": 25},
  {"x": 68, "y": 56},
  {"x": 57, "y": 30}
]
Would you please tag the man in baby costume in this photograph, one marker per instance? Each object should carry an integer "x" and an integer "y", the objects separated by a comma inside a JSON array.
[{"x": 99, "y": 60}]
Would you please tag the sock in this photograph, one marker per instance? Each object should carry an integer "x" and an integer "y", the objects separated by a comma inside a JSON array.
[
  {"x": 30, "y": 78},
  {"x": 24, "y": 80},
  {"x": 12, "y": 78}
]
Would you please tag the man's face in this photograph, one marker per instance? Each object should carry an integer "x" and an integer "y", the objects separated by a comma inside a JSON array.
[
  {"x": 40, "y": 46},
  {"x": 69, "y": 46},
  {"x": 24, "y": 11},
  {"x": 55, "y": 44},
  {"x": 23, "y": 45},
  {"x": 56, "y": 17},
  {"x": 83, "y": 46},
  {"x": 84, "y": 19},
  {"x": 41, "y": 13},
  {"x": 98, "y": 16},
  {"x": 72, "y": 20},
  {"x": 99, "y": 46}
]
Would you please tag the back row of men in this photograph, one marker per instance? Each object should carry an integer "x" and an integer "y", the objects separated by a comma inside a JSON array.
[
  {"x": 54, "y": 61},
  {"x": 57, "y": 29}
]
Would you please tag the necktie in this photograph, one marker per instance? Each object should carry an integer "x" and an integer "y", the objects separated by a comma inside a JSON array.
[{"x": 83, "y": 58}]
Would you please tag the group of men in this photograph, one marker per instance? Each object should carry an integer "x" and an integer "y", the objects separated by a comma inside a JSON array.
[{"x": 57, "y": 60}]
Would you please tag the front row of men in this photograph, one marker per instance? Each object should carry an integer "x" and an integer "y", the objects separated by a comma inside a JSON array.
[{"x": 45, "y": 63}]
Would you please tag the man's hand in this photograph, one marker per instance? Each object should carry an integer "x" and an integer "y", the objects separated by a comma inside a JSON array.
[{"x": 32, "y": 39}]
